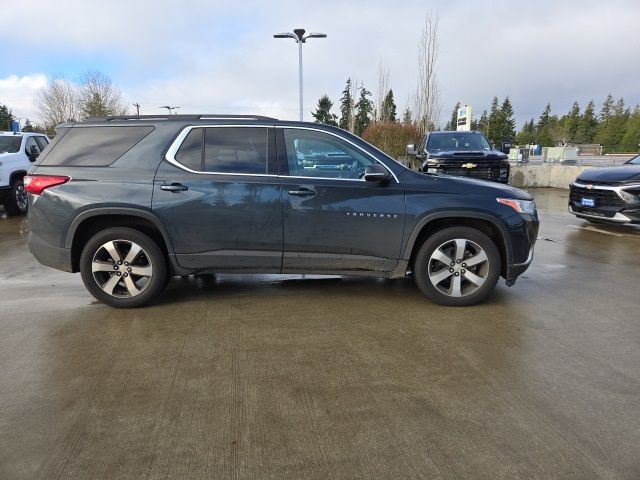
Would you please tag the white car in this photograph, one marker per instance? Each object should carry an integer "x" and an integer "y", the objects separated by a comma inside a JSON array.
[{"x": 18, "y": 151}]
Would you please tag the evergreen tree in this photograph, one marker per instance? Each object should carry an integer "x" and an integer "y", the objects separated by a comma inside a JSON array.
[
  {"x": 364, "y": 109},
  {"x": 407, "y": 116},
  {"x": 588, "y": 124},
  {"x": 527, "y": 135},
  {"x": 453, "y": 123},
  {"x": 605, "y": 116},
  {"x": 631, "y": 139},
  {"x": 323, "y": 111},
  {"x": 572, "y": 123},
  {"x": 543, "y": 128},
  {"x": 507, "y": 127},
  {"x": 483, "y": 123},
  {"x": 493, "y": 121},
  {"x": 5, "y": 118},
  {"x": 388, "y": 113},
  {"x": 613, "y": 124},
  {"x": 346, "y": 107}
]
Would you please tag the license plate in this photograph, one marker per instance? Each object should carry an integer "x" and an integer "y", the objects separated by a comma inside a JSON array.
[{"x": 588, "y": 202}]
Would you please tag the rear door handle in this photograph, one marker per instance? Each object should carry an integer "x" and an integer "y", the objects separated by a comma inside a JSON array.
[
  {"x": 174, "y": 187},
  {"x": 303, "y": 192}
]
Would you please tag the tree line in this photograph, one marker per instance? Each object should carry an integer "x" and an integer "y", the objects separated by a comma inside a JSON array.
[{"x": 62, "y": 100}]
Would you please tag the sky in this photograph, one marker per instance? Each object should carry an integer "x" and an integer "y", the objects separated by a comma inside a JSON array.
[{"x": 221, "y": 57}]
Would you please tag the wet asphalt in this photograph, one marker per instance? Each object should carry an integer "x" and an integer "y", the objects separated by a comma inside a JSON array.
[{"x": 316, "y": 378}]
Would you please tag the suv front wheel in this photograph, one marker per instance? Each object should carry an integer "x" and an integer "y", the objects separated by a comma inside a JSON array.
[
  {"x": 457, "y": 266},
  {"x": 123, "y": 267}
]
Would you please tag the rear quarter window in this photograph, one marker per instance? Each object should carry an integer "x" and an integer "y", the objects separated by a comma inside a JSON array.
[{"x": 94, "y": 146}]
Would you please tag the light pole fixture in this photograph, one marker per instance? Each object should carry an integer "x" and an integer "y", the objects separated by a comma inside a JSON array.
[
  {"x": 300, "y": 37},
  {"x": 169, "y": 109}
]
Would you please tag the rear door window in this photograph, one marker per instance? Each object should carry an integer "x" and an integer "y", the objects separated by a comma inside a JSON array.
[
  {"x": 236, "y": 150},
  {"x": 94, "y": 146}
]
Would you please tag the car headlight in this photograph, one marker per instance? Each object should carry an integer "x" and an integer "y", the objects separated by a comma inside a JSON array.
[
  {"x": 632, "y": 197},
  {"x": 520, "y": 206}
]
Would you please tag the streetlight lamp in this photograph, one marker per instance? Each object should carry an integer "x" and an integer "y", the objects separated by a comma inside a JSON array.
[
  {"x": 169, "y": 108},
  {"x": 300, "y": 37}
]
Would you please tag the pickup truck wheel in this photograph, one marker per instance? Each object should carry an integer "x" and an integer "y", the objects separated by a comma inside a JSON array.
[
  {"x": 17, "y": 202},
  {"x": 457, "y": 266},
  {"x": 123, "y": 267}
]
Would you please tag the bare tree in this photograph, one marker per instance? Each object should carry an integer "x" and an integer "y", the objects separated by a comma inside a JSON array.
[
  {"x": 428, "y": 102},
  {"x": 98, "y": 97},
  {"x": 383, "y": 89},
  {"x": 57, "y": 102}
]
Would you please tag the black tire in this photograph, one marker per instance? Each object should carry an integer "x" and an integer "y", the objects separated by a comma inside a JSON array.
[
  {"x": 17, "y": 202},
  {"x": 443, "y": 293},
  {"x": 149, "y": 260}
]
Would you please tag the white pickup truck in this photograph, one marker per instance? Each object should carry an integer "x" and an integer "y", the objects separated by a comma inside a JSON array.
[{"x": 17, "y": 152}]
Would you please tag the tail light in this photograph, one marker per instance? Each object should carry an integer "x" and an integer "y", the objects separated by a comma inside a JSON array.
[{"x": 36, "y": 184}]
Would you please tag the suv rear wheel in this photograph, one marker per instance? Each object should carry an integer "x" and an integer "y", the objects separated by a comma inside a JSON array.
[
  {"x": 123, "y": 267},
  {"x": 457, "y": 266},
  {"x": 17, "y": 203}
]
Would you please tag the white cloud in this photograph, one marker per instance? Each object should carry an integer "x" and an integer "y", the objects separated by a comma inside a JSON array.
[{"x": 19, "y": 93}]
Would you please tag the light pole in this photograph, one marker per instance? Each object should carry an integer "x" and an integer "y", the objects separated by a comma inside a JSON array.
[
  {"x": 169, "y": 108},
  {"x": 300, "y": 37}
]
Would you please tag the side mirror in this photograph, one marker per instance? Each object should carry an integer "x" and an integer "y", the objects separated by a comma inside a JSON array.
[
  {"x": 411, "y": 150},
  {"x": 376, "y": 173}
]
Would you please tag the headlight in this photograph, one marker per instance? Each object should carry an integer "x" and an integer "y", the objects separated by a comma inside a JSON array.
[
  {"x": 520, "y": 206},
  {"x": 632, "y": 198}
]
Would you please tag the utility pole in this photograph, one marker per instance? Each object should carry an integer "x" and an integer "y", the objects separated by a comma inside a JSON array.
[{"x": 137, "y": 105}]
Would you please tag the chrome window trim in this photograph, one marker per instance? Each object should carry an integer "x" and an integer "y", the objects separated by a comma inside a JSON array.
[
  {"x": 170, "y": 156},
  {"x": 296, "y": 127}
]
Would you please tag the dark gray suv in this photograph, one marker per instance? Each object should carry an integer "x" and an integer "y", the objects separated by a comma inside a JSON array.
[{"x": 130, "y": 202}]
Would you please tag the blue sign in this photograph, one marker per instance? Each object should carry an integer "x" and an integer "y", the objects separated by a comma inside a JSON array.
[{"x": 15, "y": 126}]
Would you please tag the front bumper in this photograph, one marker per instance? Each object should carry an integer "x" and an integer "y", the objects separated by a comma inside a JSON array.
[
  {"x": 608, "y": 204},
  {"x": 523, "y": 233}
]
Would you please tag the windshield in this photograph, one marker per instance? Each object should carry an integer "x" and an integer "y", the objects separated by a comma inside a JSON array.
[
  {"x": 10, "y": 144},
  {"x": 635, "y": 160},
  {"x": 447, "y": 142}
]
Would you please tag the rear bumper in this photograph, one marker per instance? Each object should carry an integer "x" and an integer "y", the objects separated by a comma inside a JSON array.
[{"x": 49, "y": 255}]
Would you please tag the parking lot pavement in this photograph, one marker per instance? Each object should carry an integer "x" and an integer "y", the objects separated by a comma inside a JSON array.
[{"x": 265, "y": 377}]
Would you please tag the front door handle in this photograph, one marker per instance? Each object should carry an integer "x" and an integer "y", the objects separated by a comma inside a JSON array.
[
  {"x": 174, "y": 187},
  {"x": 303, "y": 192}
]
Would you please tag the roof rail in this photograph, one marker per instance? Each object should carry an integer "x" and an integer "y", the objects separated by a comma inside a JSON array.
[{"x": 116, "y": 118}]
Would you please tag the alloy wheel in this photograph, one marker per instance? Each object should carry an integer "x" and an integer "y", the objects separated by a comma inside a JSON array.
[
  {"x": 22, "y": 200},
  {"x": 122, "y": 268},
  {"x": 458, "y": 267}
]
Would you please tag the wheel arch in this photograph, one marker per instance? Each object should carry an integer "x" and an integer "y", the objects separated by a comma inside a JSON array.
[
  {"x": 92, "y": 221},
  {"x": 16, "y": 174},
  {"x": 488, "y": 224}
]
